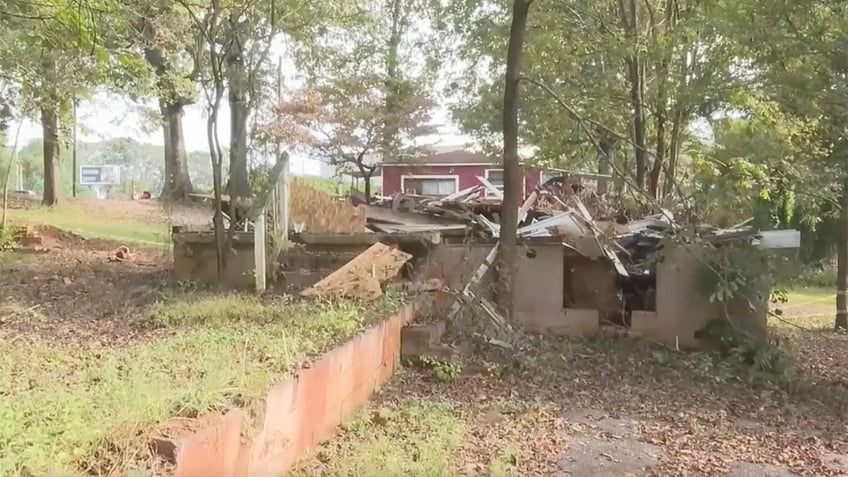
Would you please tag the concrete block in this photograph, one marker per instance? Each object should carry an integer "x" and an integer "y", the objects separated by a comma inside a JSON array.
[
  {"x": 578, "y": 322},
  {"x": 215, "y": 451},
  {"x": 645, "y": 323},
  {"x": 420, "y": 339},
  {"x": 540, "y": 322}
]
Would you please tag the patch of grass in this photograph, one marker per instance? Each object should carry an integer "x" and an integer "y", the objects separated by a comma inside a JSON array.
[
  {"x": 10, "y": 258},
  {"x": 807, "y": 307},
  {"x": 811, "y": 295},
  {"x": 505, "y": 463},
  {"x": 68, "y": 409},
  {"x": 12, "y": 311},
  {"x": 415, "y": 439},
  {"x": 444, "y": 370},
  {"x": 78, "y": 220}
]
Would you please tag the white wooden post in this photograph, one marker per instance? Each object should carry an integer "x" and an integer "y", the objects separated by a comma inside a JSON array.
[
  {"x": 259, "y": 250},
  {"x": 283, "y": 200}
]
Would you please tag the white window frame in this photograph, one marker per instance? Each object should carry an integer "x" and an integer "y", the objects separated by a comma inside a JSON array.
[
  {"x": 490, "y": 195},
  {"x": 454, "y": 177}
]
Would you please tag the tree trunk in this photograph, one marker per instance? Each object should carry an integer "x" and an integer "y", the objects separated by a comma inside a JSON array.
[
  {"x": 636, "y": 80},
  {"x": 842, "y": 262},
  {"x": 177, "y": 184},
  {"x": 508, "y": 248},
  {"x": 50, "y": 134},
  {"x": 604, "y": 162},
  {"x": 393, "y": 78},
  {"x": 673, "y": 153},
  {"x": 367, "y": 185},
  {"x": 656, "y": 170},
  {"x": 661, "y": 103},
  {"x": 237, "y": 84},
  {"x": 239, "y": 185}
]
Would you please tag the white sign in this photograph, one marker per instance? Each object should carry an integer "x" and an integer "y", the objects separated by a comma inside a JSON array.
[
  {"x": 789, "y": 238},
  {"x": 100, "y": 175}
]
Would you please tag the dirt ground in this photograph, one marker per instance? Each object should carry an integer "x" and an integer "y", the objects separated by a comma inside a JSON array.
[
  {"x": 70, "y": 283},
  {"x": 74, "y": 292},
  {"x": 620, "y": 407}
]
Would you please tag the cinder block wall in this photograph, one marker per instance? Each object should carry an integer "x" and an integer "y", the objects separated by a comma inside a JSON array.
[
  {"x": 300, "y": 412},
  {"x": 199, "y": 261}
]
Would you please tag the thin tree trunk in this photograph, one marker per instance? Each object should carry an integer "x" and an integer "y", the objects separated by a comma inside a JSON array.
[
  {"x": 508, "y": 248},
  {"x": 4, "y": 124},
  {"x": 604, "y": 162},
  {"x": 367, "y": 186},
  {"x": 50, "y": 134},
  {"x": 673, "y": 153},
  {"x": 842, "y": 262},
  {"x": 393, "y": 78},
  {"x": 656, "y": 170},
  {"x": 661, "y": 103},
  {"x": 177, "y": 185},
  {"x": 636, "y": 80},
  {"x": 215, "y": 154}
]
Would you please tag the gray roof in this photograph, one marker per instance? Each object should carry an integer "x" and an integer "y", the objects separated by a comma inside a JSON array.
[{"x": 447, "y": 158}]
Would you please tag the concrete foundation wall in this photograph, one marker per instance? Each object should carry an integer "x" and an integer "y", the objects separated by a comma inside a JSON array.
[
  {"x": 300, "y": 412},
  {"x": 538, "y": 289},
  {"x": 682, "y": 309},
  {"x": 590, "y": 283},
  {"x": 199, "y": 261},
  {"x": 455, "y": 264}
]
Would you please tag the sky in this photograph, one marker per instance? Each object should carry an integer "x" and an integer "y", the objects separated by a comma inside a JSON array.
[{"x": 109, "y": 116}]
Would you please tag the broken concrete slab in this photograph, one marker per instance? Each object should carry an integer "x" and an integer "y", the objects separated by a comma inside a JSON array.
[
  {"x": 749, "y": 469},
  {"x": 420, "y": 339},
  {"x": 600, "y": 458},
  {"x": 598, "y": 422}
]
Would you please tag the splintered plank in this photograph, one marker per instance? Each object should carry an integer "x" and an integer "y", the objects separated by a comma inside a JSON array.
[{"x": 362, "y": 276}]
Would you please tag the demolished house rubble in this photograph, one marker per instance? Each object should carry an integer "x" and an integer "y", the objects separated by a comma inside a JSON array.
[{"x": 607, "y": 273}]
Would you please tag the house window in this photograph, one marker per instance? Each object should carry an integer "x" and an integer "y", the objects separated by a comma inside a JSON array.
[
  {"x": 496, "y": 178},
  {"x": 546, "y": 176},
  {"x": 437, "y": 186}
]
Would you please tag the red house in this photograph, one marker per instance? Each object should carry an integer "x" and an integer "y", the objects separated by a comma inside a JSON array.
[{"x": 448, "y": 172}]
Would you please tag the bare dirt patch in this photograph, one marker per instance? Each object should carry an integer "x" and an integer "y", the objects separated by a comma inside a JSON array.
[{"x": 77, "y": 290}]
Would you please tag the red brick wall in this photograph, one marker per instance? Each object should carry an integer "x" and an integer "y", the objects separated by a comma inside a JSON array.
[{"x": 300, "y": 412}]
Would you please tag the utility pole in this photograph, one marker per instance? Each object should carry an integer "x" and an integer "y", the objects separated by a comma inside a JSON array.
[{"x": 74, "y": 152}]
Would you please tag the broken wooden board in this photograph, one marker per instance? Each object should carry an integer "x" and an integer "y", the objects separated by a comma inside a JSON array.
[
  {"x": 320, "y": 213},
  {"x": 376, "y": 213},
  {"x": 361, "y": 277}
]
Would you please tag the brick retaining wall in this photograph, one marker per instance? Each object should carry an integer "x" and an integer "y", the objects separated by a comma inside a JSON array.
[{"x": 300, "y": 412}]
